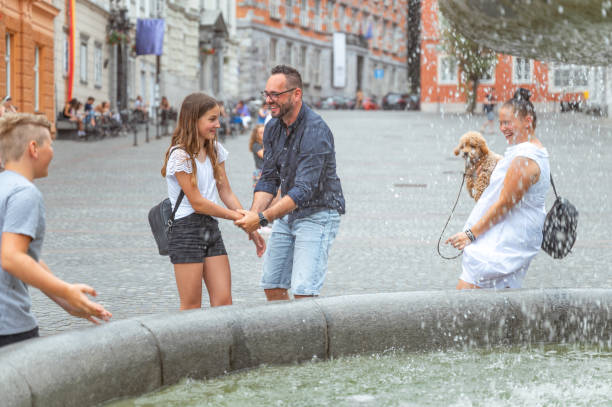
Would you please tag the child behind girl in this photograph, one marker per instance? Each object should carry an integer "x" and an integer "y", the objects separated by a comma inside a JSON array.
[
  {"x": 256, "y": 147},
  {"x": 195, "y": 164}
]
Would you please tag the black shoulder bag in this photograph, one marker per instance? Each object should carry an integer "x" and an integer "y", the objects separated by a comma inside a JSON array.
[
  {"x": 161, "y": 218},
  {"x": 559, "y": 231}
]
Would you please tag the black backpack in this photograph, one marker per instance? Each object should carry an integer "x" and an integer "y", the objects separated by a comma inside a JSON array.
[{"x": 559, "y": 231}]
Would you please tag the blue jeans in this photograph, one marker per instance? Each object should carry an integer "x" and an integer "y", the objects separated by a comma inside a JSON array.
[{"x": 296, "y": 256}]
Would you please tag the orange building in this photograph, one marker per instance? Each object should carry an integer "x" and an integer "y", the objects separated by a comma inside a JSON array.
[
  {"x": 548, "y": 83},
  {"x": 301, "y": 33},
  {"x": 26, "y": 54}
]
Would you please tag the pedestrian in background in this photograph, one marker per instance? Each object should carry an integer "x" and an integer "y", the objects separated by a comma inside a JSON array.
[
  {"x": 25, "y": 148},
  {"x": 256, "y": 147},
  {"x": 195, "y": 165},
  {"x": 504, "y": 230},
  {"x": 300, "y": 159},
  {"x": 262, "y": 114},
  {"x": 9, "y": 107},
  {"x": 489, "y": 110},
  {"x": 359, "y": 99}
]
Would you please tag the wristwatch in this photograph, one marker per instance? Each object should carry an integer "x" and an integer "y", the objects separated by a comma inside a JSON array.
[{"x": 263, "y": 222}]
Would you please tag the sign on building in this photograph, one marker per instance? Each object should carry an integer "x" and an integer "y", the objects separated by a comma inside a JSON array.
[{"x": 339, "y": 80}]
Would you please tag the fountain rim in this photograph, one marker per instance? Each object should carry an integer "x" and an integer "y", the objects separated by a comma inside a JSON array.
[{"x": 135, "y": 356}]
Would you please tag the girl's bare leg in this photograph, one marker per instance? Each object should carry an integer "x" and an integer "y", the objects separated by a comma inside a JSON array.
[
  {"x": 218, "y": 280},
  {"x": 463, "y": 285},
  {"x": 189, "y": 283}
]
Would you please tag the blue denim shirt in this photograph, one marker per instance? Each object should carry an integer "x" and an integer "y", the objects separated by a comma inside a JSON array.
[{"x": 301, "y": 159}]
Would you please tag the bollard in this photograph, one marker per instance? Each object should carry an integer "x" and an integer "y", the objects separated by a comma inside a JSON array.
[
  {"x": 147, "y": 131},
  {"x": 157, "y": 136},
  {"x": 135, "y": 136}
]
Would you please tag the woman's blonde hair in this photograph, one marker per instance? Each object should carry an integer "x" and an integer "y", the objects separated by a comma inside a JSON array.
[
  {"x": 254, "y": 136},
  {"x": 186, "y": 134}
]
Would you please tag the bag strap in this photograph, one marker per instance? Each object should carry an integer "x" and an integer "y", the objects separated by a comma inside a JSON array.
[
  {"x": 181, "y": 194},
  {"x": 553, "y": 185}
]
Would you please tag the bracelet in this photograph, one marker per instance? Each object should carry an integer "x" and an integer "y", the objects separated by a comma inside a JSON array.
[{"x": 470, "y": 235}]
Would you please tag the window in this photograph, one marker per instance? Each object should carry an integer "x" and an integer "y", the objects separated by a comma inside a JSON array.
[
  {"x": 521, "y": 72},
  {"x": 83, "y": 61},
  {"x": 7, "y": 63},
  {"x": 143, "y": 84},
  {"x": 304, "y": 20},
  {"x": 273, "y": 47},
  {"x": 274, "y": 9},
  {"x": 356, "y": 25},
  {"x": 289, "y": 11},
  {"x": 36, "y": 79},
  {"x": 317, "y": 68},
  {"x": 153, "y": 8},
  {"x": 302, "y": 61},
  {"x": 66, "y": 53},
  {"x": 376, "y": 32},
  {"x": 489, "y": 77},
  {"x": 288, "y": 49},
  {"x": 447, "y": 70},
  {"x": 395, "y": 39},
  {"x": 569, "y": 76},
  {"x": 330, "y": 15},
  {"x": 341, "y": 17},
  {"x": 98, "y": 65}
]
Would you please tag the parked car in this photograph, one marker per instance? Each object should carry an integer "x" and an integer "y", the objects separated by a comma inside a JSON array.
[
  {"x": 369, "y": 103},
  {"x": 400, "y": 101},
  {"x": 326, "y": 103}
]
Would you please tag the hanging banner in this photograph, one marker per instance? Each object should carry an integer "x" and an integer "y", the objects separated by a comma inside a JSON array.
[
  {"x": 71, "y": 46},
  {"x": 150, "y": 36},
  {"x": 339, "y": 80}
]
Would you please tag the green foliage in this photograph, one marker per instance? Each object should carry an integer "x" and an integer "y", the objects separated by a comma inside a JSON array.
[{"x": 474, "y": 60}]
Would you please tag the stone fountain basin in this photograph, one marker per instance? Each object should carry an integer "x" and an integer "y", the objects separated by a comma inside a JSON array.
[{"x": 135, "y": 356}]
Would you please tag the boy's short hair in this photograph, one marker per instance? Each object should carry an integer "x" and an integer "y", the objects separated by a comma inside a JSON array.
[{"x": 16, "y": 132}]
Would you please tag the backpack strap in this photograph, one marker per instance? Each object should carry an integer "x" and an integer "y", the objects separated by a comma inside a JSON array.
[
  {"x": 553, "y": 185},
  {"x": 181, "y": 194}
]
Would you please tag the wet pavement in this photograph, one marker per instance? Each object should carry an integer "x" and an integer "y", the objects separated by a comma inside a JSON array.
[{"x": 400, "y": 180}]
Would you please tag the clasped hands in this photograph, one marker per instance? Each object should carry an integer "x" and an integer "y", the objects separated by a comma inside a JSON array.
[{"x": 249, "y": 222}]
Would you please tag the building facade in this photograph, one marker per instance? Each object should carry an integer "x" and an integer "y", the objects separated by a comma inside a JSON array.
[
  {"x": 92, "y": 53},
  {"x": 300, "y": 33},
  {"x": 549, "y": 83},
  {"x": 193, "y": 50},
  {"x": 26, "y": 54}
]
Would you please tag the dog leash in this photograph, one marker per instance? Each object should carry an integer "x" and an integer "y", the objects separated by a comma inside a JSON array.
[{"x": 448, "y": 220}]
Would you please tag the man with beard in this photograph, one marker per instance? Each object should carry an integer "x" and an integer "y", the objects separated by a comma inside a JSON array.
[{"x": 299, "y": 157}]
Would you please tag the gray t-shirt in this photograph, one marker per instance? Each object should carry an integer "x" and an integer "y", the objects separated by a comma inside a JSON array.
[{"x": 22, "y": 211}]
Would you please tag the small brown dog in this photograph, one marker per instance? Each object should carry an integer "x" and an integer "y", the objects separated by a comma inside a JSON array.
[{"x": 479, "y": 162}]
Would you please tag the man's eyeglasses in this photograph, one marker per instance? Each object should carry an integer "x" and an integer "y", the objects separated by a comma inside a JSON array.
[{"x": 274, "y": 95}]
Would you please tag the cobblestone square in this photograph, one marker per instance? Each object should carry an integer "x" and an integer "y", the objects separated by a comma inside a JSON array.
[{"x": 400, "y": 180}]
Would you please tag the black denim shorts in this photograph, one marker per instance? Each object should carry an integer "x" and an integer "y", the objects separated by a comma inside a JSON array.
[{"x": 193, "y": 238}]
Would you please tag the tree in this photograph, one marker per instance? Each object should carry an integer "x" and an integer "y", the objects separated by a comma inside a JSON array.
[{"x": 474, "y": 61}]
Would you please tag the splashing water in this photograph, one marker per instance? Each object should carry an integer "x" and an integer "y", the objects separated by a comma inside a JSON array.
[{"x": 550, "y": 375}]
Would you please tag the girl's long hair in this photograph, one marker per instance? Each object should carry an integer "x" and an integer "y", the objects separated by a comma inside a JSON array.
[
  {"x": 186, "y": 134},
  {"x": 253, "y": 138}
]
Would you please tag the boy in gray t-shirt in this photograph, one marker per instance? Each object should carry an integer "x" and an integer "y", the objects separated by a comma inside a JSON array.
[{"x": 26, "y": 151}]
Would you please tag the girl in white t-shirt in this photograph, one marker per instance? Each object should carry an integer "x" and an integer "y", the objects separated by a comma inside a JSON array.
[{"x": 195, "y": 164}]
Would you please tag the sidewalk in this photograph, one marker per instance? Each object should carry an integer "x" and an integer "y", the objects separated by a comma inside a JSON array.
[{"x": 399, "y": 177}]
